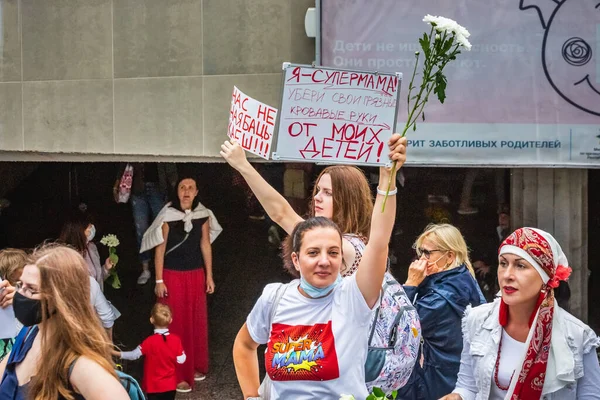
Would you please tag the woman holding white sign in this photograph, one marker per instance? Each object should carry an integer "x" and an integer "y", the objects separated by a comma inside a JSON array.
[
  {"x": 342, "y": 193},
  {"x": 316, "y": 328}
]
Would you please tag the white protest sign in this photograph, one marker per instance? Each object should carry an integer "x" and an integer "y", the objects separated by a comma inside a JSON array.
[
  {"x": 251, "y": 123},
  {"x": 336, "y": 116}
]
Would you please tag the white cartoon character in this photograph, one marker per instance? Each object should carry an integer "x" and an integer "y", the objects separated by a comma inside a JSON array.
[{"x": 570, "y": 49}]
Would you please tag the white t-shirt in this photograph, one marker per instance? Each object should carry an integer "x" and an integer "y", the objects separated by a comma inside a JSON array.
[
  {"x": 318, "y": 347},
  {"x": 511, "y": 355}
]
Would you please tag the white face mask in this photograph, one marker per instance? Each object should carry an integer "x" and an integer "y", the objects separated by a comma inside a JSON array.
[{"x": 92, "y": 233}]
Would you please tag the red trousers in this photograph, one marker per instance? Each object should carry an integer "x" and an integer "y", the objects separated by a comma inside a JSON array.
[{"x": 187, "y": 299}]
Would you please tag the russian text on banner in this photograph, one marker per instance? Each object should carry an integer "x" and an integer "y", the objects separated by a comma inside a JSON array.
[
  {"x": 336, "y": 116},
  {"x": 251, "y": 123}
]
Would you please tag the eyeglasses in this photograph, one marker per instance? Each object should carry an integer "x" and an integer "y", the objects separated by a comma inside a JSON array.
[
  {"x": 26, "y": 290},
  {"x": 427, "y": 253}
]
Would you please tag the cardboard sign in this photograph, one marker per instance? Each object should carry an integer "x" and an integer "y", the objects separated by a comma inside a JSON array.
[
  {"x": 251, "y": 123},
  {"x": 335, "y": 116}
]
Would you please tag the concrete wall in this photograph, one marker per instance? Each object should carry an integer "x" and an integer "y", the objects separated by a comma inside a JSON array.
[{"x": 96, "y": 79}]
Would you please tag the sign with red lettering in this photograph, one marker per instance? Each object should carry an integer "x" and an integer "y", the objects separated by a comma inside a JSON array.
[
  {"x": 335, "y": 116},
  {"x": 251, "y": 123}
]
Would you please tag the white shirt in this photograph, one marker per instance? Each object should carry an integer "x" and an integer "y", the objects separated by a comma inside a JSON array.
[
  {"x": 572, "y": 371},
  {"x": 510, "y": 357},
  {"x": 318, "y": 347},
  {"x": 105, "y": 311}
]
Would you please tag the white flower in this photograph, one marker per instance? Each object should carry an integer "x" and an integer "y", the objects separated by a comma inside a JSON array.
[
  {"x": 347, "y": 397},
  {"x": 451, "y": 27},
  {"x": 110, "y": 241},
  {"x": 437, "y": 36}
]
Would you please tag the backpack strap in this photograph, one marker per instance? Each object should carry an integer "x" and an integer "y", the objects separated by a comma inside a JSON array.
[
  {"x": 278, "y": 295},
  {"x": 266, "y": 383},
  {"x": 71, "y": 366}
]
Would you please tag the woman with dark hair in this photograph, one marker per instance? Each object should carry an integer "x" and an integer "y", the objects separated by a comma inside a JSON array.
[
  {"x": 79, "y": 232},
  {"x": 182, "y": 234},
  {"x": 341, "y": 193},
  {"x": 316, "y": 328}
]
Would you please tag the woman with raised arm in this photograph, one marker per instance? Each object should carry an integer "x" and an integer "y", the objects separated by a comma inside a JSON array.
[
  {"x": 523, "y": 346},
  {"x": 341, "y": 193},
  {"x": 316, "y": 327}
]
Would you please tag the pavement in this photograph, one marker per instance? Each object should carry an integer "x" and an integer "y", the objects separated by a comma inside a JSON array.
[
  {"x": 240, "y": 274},
  {"x": 244, "y": 260}
]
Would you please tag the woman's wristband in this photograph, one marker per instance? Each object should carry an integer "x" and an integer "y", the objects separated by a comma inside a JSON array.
[
  {"x": 383, "y": 192},
  {"x": 159, "y": 281}
]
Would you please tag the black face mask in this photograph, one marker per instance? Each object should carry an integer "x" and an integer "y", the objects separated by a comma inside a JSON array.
[{"x": 27, "y": 311}]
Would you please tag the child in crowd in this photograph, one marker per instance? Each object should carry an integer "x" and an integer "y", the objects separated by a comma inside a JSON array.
[
  {"x": 162, "y": 351},
  {"x": 12, "y": 262}
]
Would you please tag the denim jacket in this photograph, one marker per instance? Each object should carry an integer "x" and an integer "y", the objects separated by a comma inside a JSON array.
[
  {"x": 440, "y": 300},
  {"x": 572, "y": 371}
]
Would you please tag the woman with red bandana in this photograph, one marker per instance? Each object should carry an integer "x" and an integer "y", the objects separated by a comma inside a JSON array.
[{"x": 524, "y": 346}]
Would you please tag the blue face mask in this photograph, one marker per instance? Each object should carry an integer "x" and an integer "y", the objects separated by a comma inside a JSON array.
[{"x": 316, "y": 292}]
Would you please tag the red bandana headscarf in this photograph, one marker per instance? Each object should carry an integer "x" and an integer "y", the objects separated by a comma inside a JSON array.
[{"x": 544, "y": 253}]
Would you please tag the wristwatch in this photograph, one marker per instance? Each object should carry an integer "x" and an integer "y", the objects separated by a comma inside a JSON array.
[{"x": 253, "y": 398}]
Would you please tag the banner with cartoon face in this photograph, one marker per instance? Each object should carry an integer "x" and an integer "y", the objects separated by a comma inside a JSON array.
[{"x": 527, "y": 94}]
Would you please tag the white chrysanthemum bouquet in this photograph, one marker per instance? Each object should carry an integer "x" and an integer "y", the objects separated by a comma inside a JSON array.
[
  {"x": 443, "y": 43},
  {"x": 111, "y": 241}
]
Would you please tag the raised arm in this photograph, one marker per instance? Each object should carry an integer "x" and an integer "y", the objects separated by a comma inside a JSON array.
[
  {"x": 374, "y": 260},
  {"x": 273, "y": 202}
]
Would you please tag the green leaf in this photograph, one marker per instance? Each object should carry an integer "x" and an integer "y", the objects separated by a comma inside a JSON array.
[
  {"x": 394, "y": 394},
  {"x": 378, "y": 392},
  {"x": 414, "y": 126},
  {"x": 371, "y": 397},
  {"x": 424, "y": 41},
  {"x": 440, "y": 86},
  {"x": 448, "y": 44}
]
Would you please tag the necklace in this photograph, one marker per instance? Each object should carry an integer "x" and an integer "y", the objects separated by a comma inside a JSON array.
[{"x": 496, "y": 381}]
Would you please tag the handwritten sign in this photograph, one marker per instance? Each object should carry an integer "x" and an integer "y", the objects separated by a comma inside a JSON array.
[
  {"x": 337, "y": 117},
  {"x": 251, "y": 123}
]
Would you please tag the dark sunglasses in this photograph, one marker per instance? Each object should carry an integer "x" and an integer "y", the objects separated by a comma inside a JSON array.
[{"x": 427, "y": 253}]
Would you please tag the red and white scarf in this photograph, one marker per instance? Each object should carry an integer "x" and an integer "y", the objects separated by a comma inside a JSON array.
[{"x": 544, "y": 253}]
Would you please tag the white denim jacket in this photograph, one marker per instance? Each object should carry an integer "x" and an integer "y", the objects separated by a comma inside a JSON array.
[{"x": 572, "y": 371}]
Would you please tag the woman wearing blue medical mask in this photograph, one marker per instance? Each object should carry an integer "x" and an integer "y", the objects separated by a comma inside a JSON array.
[{"x": 79, "y": 233}]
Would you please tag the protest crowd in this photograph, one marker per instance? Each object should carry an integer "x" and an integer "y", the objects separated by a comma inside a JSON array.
[{"x": 342, "y": 328}]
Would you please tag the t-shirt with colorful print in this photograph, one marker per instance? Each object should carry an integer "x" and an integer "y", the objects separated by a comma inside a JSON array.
[{"x": 317, "y": 347}]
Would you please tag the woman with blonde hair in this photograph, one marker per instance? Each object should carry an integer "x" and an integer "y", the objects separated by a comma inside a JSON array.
[
  {"x": 441, "y": 284},
  {"x": 341, "y": 193},
  {"x": 62, "y": 352}
]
